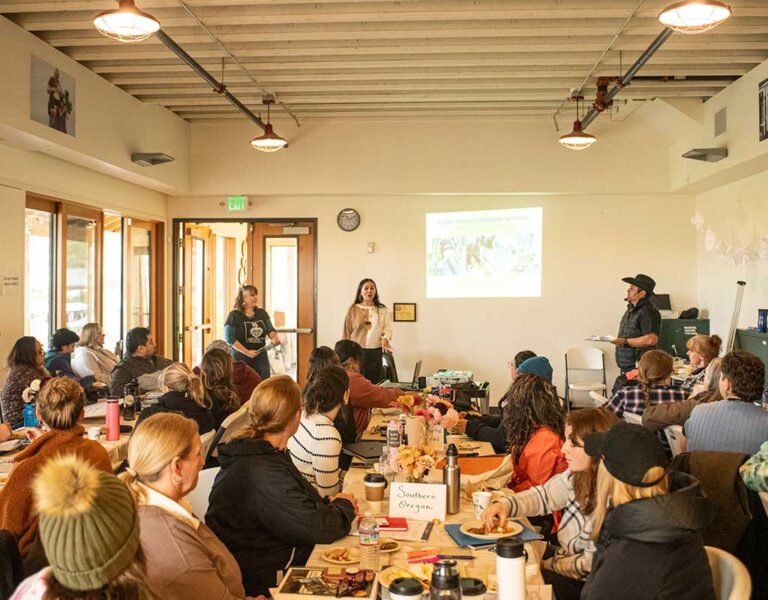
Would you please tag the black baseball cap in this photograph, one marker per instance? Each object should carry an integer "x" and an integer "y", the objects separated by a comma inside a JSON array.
[
  {"x": 644, "y": 282},
  {"x": 628, "y": 452}
]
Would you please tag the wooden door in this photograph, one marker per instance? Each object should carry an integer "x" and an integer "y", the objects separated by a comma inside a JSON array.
[{"x": 196, "y": 292}]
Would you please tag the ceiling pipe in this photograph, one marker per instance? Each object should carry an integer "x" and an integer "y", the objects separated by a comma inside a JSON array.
[
  {"x": 629, "y": 75},
  {"x": 217, "y": 86}
]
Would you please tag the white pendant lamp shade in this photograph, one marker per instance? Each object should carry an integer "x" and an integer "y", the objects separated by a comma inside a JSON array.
[
  {"x": 269, "y": 142},
  {"x": 578, "y": 139},
  {"x": 694, "y": 16},
  {"x": 126, "y": 23}
]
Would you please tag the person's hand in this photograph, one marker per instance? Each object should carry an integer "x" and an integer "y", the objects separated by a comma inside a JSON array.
[
  {"x": 497, "y": 510},
  {"x": 275, "y": 340},
  {"x": 251, "y": 353},
  {"x": 618, "y": 341},
  {"x": 348, "y": 497},
  {"x": 5, "y": 432},
  {"x": 33, "y": 433},
  {"x": 385, "y": 345},
  {"x": 461, "y": 426}
]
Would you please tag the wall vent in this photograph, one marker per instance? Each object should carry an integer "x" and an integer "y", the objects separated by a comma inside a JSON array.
[{"x": 721, "y": 122}]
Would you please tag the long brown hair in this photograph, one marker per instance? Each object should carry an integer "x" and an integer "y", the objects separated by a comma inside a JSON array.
[
  {"x": 532, "y": 402},
  {"x": 216, "y": 368},
  {"x": 239, "y": 301},
  {"x": 583, "y": 422},
  {"x": 359, "y": 295},
  {"x": 654, "y": 367}
]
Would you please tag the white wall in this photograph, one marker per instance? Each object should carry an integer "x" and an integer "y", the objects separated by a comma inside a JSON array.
[
  {"x": 11, "y": 263},
  {"x": 590, "y": 242}
]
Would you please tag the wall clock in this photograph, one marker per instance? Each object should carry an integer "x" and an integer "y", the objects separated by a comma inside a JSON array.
[{"x": 348, "y": 219}]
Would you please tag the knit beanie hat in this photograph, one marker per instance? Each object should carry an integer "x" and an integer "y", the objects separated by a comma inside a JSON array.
[
  {"x": 89, "y": 525},
  {"x": 539, "y": 366},
  {"x": 63, "y": 337}
]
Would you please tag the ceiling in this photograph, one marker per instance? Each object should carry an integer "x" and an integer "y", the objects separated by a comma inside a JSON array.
[{"x": 378, "y": 58}]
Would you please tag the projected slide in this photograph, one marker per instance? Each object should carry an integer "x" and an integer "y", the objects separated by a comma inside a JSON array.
[{"x": 484, "y": 254}]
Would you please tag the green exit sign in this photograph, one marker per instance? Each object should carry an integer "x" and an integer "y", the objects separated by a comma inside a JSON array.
[{"x": 237, "y": 203}]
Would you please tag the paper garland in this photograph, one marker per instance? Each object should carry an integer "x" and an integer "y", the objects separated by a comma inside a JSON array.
[{"x": 738, "y": 255}]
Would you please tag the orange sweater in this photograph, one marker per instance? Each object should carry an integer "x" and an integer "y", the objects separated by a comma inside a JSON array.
[
  {"x": 17, "y": 507},
  {"x": 541, "y": 459}
]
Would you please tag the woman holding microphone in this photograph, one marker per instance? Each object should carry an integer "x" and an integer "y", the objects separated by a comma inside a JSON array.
[
  {"x": 246, "y": 330},
  {"x": 368, "y": 323}
]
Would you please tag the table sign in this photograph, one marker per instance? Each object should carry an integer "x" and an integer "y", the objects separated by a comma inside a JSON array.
[{"x": 418, "y": 501}]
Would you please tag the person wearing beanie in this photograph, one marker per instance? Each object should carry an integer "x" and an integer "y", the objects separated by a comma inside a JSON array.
[
  {"x": 59, "y": 407},
  {"x": 89, "y": 528},
  {"x": 647, "y": 522},
  {"x": 363, "y": 395},
  {"x": 58, "y": 360},
  {"x": 537, "y": 365}
]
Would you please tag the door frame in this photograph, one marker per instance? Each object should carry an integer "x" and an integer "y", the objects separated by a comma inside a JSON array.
[{"x": 177, "y": 243}]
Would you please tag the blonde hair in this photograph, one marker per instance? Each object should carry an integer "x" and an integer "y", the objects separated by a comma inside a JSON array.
[
  {"x": 61, "y": 402},
  {"x": 89, "y": 334},
  {"x": 273, "y": 405},
  {"x": 178, "y": 378},
  {"x": 654, "y": 367},
  {"x": 612, "y": 493},
  {"x": 154, "y": 444},
  {"x": 706, "y": 345}
]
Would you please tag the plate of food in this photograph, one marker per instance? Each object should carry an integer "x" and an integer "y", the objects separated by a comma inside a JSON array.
[
  {"x": 341, "y": 556},
  {"x": 388, "y": 545},
  {"x": 477, "y": 529},
  {"x": 420, "y": 571},
  {"x": 467, "y": 446}
]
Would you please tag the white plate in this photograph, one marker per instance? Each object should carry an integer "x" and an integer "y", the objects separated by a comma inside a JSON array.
[
  {"x": 513, "y": 528},
  {"x": 10, "y": 445},
  {"x": 353, "y": 553}
]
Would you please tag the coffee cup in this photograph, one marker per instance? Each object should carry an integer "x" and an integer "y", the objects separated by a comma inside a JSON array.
[
  {"x": 481, "y": 501},
  {"x": 375, "y": 484},
  {"x": 93, "y": 433}
]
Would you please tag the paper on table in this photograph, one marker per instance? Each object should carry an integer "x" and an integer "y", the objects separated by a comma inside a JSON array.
[
  {"x": 412, "y": 534},
  {"x": 601, "y": 338},
  {"x": 96, "y": 410}
]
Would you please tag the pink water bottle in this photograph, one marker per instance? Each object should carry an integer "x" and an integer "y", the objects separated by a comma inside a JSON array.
[{"x": 113, "y": 420}]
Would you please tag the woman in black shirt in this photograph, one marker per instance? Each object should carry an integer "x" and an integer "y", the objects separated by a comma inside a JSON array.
[{"x": 246, "y": 330}]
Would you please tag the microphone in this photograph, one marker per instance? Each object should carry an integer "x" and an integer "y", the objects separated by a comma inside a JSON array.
[{"x": 674, "y": 350}]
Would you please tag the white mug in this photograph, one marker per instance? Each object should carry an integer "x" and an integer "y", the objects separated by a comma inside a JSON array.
[
  {"x": 481, "y": 501},
  {"x": 94, "y": 433}
]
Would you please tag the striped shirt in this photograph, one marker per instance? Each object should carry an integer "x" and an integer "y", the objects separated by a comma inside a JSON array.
[
  {"x": 574, "y": 556},
  {"x": 315, "y": 450},
  {"x": 630, "y": 398},
  {"x": 727, "y": 426}
]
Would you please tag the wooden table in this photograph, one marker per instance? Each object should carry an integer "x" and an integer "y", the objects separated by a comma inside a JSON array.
[{"x": 484, "y": 564}]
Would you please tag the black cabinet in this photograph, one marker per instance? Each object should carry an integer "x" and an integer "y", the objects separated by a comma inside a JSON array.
[{"x": 675, "y": 332}]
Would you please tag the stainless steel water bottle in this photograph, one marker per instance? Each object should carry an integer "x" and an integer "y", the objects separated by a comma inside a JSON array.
[{"x": 452, "y": 479}]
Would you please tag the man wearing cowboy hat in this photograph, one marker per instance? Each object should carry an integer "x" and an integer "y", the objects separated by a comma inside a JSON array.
[{"x": 640, "y": 325}]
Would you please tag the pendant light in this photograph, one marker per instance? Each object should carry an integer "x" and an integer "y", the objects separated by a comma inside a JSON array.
[
  {"x": 577, "y": 139},
  {"x": 694, "y": 16},
  {"x": 270, "y": 141},
  {"x": 126, "y": 23}
]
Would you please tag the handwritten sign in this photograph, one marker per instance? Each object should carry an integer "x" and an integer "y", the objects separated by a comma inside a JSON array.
[
  {"x": 417, "y": 501},
  {"x": 10, "y": 284}
]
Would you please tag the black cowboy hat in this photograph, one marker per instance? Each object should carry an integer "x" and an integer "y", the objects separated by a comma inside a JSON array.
[{"x": 645, "y": 283}]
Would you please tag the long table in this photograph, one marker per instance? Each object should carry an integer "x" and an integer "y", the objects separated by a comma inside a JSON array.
[{"x": 484, "y": 563}]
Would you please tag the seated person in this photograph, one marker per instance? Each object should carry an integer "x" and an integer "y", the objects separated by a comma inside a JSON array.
[
  {"x": 655, "y": 386},
  {"x": 140, "y": 362},
  {"x": 660, "y": 416},
  {"x": 702, "y": 350},
  {"x": 25, "y": 362},
  {"x": 363, "y": 395},
  {"x": 58, "y": 360},
  {"x": 216, "y": 373},
  {"x": 59, "y": 406},
  {"x": 184, "y": 394},
  {"x": 754, "y": 472},
  {"x": 647, "y": 522},
  {"x": 91, "y": 358},
  {"x": 316, "y": 447},
  {"x": 89, "y": 533},
  {"x": 322, "y": 357},
  {"x": 535, "y": 431},
  {"x": 574, "y": 491},
  {"x": 261, "y": 507},
  {"x": 737, "y": 423},
  {"x": 244, "y": 377},
  {"x": 182, "y": 553}
]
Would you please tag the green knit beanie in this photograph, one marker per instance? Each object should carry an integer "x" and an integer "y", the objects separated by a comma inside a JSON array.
[{"x": 89, "y": 526}]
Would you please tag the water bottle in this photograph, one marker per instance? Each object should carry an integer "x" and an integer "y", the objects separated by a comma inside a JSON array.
[
  {"x": 30, "y": 418},
  {"x": 452, "y": 479},
  {"x": 510, "y": 569},
  {"x": 113, "y": 420},
  {"x": 393, "y": 434},
  {"x": 369, "y": 543}
]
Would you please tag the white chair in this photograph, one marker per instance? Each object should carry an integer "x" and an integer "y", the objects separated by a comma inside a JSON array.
[
  {"x": 676, "y": 439},
  {"x": 584, "y": 359},
  {"x": 229, "y": 428},
  {"x": 630, "y": 417},
  {"x": 729, "y": 576},
  {"x": 198, "y": 497},
  {"x": 205, "y": 442},
  {"x": 598, "y": 399}
]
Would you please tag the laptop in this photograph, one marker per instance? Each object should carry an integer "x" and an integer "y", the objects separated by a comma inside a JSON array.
[
  {"x": 366, "y": 451},
  {"x": 409, "y": 386},
  {"x": 661, "y": 301}
]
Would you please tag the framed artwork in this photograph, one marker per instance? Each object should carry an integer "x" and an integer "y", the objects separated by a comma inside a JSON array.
[
  {"x": 52, "y": 97},
  {"x": 404, "y": 311},
  {"x": 762, "y": 95}
]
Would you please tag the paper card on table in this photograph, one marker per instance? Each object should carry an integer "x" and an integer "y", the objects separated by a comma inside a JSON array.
[{"x": 418, "y": 501}]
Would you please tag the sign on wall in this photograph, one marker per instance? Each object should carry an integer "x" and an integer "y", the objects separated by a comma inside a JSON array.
[{"x": 52, "y": 97}]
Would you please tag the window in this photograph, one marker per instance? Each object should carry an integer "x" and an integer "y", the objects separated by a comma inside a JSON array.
[
  {"x": 112, "y": 278},
  {"x": 140, "y": 278},
  {"x": 82, "y": 278},
  {"x": 38, "y": 274}
]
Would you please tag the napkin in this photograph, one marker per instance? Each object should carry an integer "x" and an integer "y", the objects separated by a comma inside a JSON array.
[{"x": 466, "y": 541}]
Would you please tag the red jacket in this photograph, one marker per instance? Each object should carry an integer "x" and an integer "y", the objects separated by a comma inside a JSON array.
[
  {"x": 244, "y": 379},
  {"x": 363, "y": 396},
  {"x": 540, "y": 461}
]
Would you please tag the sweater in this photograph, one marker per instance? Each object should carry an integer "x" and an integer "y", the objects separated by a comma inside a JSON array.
[
  {"x": 364, "y": 395},
  {"x": 245, "y": 380},
  {"x": 574, "y": 556},
  {"x": 17, "y": 511},
  {"x": 18, "y": 379},
  {"x": 185, "y": 559},
  {"x": 267, "y": 514},
  {"x": 367, "y": 325},
  {"x": 727, "y": 426},
  {"x": 179, "y": 403},
  {"x": 540, "y": 460},
  {"x": 133, "y": 367},
  {"x": 96, "y": 362},
  {"x": 315, "y": 450}
]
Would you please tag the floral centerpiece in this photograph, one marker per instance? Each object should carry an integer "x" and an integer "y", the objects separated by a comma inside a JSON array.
[
  {"x": 415, "y": 462},
  {"x": 437, "y": 411}
]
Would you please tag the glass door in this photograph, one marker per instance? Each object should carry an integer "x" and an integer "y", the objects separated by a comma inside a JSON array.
[
  {"x": 196, "y": 292},
  {"x": 81, "y": 276}
]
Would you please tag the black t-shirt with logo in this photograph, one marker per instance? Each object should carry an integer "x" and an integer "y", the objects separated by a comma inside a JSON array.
[{"x": 251, "y": 332}]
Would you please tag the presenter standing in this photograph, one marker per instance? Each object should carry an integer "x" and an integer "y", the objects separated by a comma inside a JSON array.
[
  {"x": 639, "y": 328},
  {"x": 246, "y": 330},
  {"x": 368, "y": 323}
]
